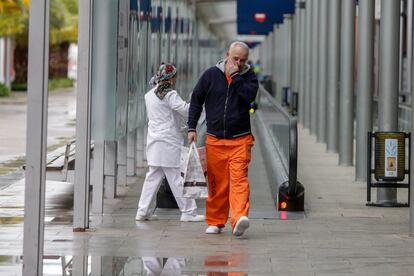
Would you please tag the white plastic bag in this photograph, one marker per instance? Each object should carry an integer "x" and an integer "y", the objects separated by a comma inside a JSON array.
[{"x": 193, "y": 165}]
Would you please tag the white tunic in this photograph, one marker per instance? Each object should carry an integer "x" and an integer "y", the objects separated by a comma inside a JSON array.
[{"x": 166, "y": 123}]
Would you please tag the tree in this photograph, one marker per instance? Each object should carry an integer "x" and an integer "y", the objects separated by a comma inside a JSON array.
[{"x": 14, "y": 15}]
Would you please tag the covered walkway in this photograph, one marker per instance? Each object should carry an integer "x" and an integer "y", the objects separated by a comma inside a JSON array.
[
  {"x": 86, "y": 226},
  {"x": 338, "y": 234}
]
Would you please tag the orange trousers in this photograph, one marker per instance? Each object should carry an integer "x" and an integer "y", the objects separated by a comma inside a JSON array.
[{"x": 227, "y": 167}]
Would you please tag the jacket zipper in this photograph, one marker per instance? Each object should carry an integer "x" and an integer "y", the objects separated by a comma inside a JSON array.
[{"x": 225, "y": 109}]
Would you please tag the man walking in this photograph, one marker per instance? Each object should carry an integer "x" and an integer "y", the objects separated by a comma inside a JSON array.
[{"x": 226, "y": 90}]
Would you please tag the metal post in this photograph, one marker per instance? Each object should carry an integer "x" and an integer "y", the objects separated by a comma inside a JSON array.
[
  {"x": 323, "y": 64},
  {"x": 308, "y": 62},
  {"x": 346, "y": 103},
  {"x": 401, "y": 54},
  {"x": 333, "y": 74},
  {"x": 410, "y": 25},
  {"x": 98, "y": 177},
  {"x": 365, "y": 84},
  {"x": 388, "y": 80},
  {"x": 80, "y": 265},
  {"x": 410, "y": 87},
  {"x": 122, "y": 161},
  {"x": 289, "y": 52},
  {"x": 83, "y": 118},
  {"x": 36, "y": 142},
  {"x": 315, "y": 66},
  {"x": 110, "y": 169},
  {"x": 7, "y": 73},
  {"x": 131, "y": 152},
  {"x": 295, "y": 44},
  {"x": 302, "y": 61}
]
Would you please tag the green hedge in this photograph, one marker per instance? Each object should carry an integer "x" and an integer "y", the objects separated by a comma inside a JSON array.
[
  {"x": 4, "y": 91},
  {"x": 52, "y": 85}
]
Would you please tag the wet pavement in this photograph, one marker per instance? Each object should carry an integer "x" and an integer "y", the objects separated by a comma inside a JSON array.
[
  {"x": 338, "y": 234},
  {"x": 61, "y": 122}
]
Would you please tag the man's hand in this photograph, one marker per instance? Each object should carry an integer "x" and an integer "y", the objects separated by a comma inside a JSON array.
[
  {"x": 192, "y": 137},
  {"x": 232, "y": 67}
]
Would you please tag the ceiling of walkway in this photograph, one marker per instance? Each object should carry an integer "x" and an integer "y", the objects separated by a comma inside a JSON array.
[{"x": 221, "y": 17}]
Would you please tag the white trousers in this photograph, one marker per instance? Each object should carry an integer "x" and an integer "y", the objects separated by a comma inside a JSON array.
[{"x": 152, "y": 184}]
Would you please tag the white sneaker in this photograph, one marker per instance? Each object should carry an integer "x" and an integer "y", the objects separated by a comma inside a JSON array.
[
  {"x": 212, "y": 229},
  {"x": 146, "y": 218},
  {"x": 192, "y": 218},
  {"x": 241, "y": 226}
]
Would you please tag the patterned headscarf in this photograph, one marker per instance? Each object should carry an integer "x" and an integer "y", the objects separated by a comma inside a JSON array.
[{"x": 163, "y": 79}]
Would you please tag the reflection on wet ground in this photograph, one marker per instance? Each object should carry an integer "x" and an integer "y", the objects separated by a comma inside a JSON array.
[{"x": 131, "y": 266}]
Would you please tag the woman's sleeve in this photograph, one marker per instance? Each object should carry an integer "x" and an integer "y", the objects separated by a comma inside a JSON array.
[{"x": 177, "y": 104}]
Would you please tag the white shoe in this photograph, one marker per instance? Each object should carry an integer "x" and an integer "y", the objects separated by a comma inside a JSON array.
[
  {"x": 146, "y": 218},
  {"x": 241, "y": 226},
  {"x": 212, "y": 229},
  {"x": 192, "y": 218}
]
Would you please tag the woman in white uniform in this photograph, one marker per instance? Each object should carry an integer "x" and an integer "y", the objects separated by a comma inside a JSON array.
[{"x": 166, "y": 113}]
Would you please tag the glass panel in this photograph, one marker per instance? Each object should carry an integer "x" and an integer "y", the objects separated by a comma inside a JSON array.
[
  {"x": 104, "y": 70},
  {"x": 122, "y": 80}
]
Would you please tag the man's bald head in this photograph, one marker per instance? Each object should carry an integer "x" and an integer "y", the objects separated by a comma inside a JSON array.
[{"x": 238, "y": 54}]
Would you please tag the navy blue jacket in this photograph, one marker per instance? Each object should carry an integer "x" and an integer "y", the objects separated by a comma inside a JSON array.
[{"x": 227, "y": 106}]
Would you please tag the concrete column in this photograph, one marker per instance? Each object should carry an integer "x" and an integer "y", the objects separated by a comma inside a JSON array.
[
  {"x": 36, "y": 142},
  {"x": 308, "y": 63},
  {"x": 365, "y": 84},
  {"x": 346, "y": 103},
  {"x": 323, "y": 66},
  {"x": 315, "y": 66},
  {"x": 388, "y": 80},
  {"x": 333, "y": 74}
]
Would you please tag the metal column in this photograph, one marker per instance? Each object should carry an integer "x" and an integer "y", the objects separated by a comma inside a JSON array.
[
  {"x": 323, "y": 64},
  {"x": 83, "y": 118},
  {"x": 388, "y": 79},
  {"x": 122, "y": 161},
  {"x": 36, "y": 141},
  {"x": 131, "y": 152},
  {"x": 333, "y": 75},
  {"x": 302, "y": 62},
  {"x": 98, "y": 177},
  {"x": 401, "y": 45},
  {"x": 410, "y": 25},
  {"x": 308, "y": 62},
  {"x": 315, "y": 66},
  {"x": 346, "y": 103},
  {"x": 8, "y": 52},
  {"x": 365, "y": 84},
  {"x": 410, "y": 87}
]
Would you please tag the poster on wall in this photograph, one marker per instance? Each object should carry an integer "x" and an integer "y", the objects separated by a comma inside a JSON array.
[{"x": 391, "y": 157}]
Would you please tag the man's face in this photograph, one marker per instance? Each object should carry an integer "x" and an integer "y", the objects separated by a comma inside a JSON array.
[{"x": 238, "y": 56}]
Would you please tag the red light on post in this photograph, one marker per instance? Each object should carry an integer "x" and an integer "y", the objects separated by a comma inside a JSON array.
[
  {"x": 260, "y": 17},
  {"x": 283, "y": 205}
]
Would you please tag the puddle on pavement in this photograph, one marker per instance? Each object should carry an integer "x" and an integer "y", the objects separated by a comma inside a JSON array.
[
  {"x": 129, "y": 266},
  {"x": 10, "y": 220}
]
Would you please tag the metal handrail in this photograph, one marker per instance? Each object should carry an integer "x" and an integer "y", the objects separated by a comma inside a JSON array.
[{"x": 293, "y": 139}]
